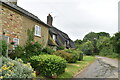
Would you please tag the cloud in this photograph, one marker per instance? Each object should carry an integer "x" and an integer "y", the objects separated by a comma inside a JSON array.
[{"x": 77, "y": 17}]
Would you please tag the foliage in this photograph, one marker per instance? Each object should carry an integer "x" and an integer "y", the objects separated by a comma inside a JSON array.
[
  {"x": 75, "y": 55},
  {"x": 18, "y": 52},
  {"x": 30, "y": 34},
  {"x": 63, "y": 54},
  {"x": 71, "y": 56},
  {"x": 16, "y": 69},
  {"x": 49, "y": 65},
  {"x": 3, "y": 47},
  {"x": 60, "y": 47},
  {"x": 78, "y": 41},
  {"x": 103, "y": 42},
  {"x": 104, "y": 34},
  {"x": 116, "y": 42},
  {"x": 87, "y": 48},
  {"x": 90, "y": 36},
  {"x": 48, "y": 50}
]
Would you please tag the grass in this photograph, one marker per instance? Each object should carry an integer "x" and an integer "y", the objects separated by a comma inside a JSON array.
[{"x": 73, "y": 68}]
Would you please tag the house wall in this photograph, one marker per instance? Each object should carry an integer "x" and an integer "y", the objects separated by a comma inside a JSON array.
[{"x": 15, "y": 24}]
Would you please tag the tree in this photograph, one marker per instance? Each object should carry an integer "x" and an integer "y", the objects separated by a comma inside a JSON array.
[
  {"x": 104, "y": 46},
  {"x": 90, "y": 36},
  {"x": 87, "y": 48},
  {"x": 116, "y": 42},
  {"x": 104, "y": 34}
]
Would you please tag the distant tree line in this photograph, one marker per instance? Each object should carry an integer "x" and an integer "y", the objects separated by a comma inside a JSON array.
[{"x": 100, "y": 44}]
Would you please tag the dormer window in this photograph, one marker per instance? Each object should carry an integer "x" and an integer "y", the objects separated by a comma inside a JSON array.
[
  {"x": 54, "y": 37},
  {"x": 68, "y": 42},
  {"x": 37, "y": 30}
]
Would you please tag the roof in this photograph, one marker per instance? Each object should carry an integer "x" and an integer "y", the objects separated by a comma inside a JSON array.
[
  {"x": 23, "y": 11},
  {"x": 61, "y": 37}
]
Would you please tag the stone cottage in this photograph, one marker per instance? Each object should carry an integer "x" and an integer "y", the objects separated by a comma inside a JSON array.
[{"x": 16, "y": 21}]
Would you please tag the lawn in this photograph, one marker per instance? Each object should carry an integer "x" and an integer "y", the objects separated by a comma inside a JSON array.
[{"x": 74, "y": 68}]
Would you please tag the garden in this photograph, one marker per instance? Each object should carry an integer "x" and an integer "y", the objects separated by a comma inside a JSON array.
[{"x": 31, "y": 61}]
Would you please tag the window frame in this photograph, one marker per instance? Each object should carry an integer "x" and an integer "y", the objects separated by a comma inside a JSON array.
[
  {"x": 54, "y": 37},
  {"x": 18, "y": 41},
  {"x": 37, "y": 31}
]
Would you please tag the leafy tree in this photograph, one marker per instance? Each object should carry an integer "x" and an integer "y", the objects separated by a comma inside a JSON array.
[
  {"x": 90, "y": 36},
  {"x": 78, "y": 42},
  {"x": 116, "y": 42},
  {"x": 103, "y": 34},
  {"x": 87, "y": 48}
]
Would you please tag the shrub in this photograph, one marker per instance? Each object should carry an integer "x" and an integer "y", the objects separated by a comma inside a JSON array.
[
  {"x": 80, "y": 55},
  {"x": 60, "y": 48},
  {"x": 18, "y": 52},
  {"x": 63, "y": 54},
  {"x": 48, "y": 50},
  {"x": 16, "y": 69},
  {"x": 49, "y": 65},
  {"x": 68, "y": 55},
  {"x": 75, "y": 55},
  {"x": 33, "y": 48},
  {"x": 3, "y": 47}
]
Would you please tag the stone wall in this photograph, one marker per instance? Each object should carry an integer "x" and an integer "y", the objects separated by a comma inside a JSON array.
[{"x": 15, "y": 25}]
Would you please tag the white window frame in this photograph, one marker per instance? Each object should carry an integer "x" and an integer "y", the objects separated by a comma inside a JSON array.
[
  {"x": 37, "y": 30},
  {"x": 6, "y": 38},
  {"x": 16, "y": 40},
  {"x": 54, "y": 37}
]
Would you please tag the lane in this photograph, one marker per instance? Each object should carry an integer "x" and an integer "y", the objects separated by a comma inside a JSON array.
[{"x": 102, "y": 68}]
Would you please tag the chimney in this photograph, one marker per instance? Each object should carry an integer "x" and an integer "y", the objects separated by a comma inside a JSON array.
[
  {"x": 49, "y": 20},
  {"x": 10, "y": 1}
]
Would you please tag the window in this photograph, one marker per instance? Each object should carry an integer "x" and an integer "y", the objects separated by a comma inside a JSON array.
[
  {"x": 54, "y": 37},
  {"x": 6, "y": 38},
  {"x": 68, "y": 42},
  {"x": 37, "y": 30},
  {"x": 16, "y": 42}
]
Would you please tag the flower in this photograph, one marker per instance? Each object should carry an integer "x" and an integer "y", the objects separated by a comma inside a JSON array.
[
  {"x": 32, "y": 43},
  {"x": 1, "y": 77}
]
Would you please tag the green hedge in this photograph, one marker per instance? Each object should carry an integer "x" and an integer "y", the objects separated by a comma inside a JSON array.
[
  {"x": 16, "y": 69},
  {"x": 49, "y": 65}
]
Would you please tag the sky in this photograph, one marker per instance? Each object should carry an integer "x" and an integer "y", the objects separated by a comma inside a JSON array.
[{"x": 76, "y": 17}]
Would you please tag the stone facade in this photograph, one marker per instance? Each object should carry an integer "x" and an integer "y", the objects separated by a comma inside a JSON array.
[{"x": 15, "y": 25}]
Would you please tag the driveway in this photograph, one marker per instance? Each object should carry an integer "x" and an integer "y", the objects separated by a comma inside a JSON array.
[{"x": 102, "y": 68}]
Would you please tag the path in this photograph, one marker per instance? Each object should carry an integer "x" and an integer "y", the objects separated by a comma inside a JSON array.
[{"x": 102, "y": 68}]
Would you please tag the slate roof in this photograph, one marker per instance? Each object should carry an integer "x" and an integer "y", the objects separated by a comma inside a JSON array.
[
  {"x": 61, "y": 37},
  {"x": 24, "y": 12}
]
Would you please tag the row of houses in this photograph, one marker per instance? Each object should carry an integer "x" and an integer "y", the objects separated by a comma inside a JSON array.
[{"x": 16, "y": 21}]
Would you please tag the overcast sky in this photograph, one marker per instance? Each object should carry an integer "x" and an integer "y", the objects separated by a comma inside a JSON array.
[{"x": 77, "y": 17}]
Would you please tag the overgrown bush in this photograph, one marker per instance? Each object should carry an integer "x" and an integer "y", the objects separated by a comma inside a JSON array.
[
  {"x": 33, "y": 48},
  {"x": 80, "y": 55},
  {"x": 16, "y": 69},
  {"x": 18, "y": 52},
  {"x": 75, "y": 55},
  {"x": 49, "y": 65},
  {"x": 48, "y": 50},
  {"x": 3, "y": 47},
  {"x": 70, "y": 56},
  {"x": 67, "y": 56},
  {"x": 60, "y": 47}
]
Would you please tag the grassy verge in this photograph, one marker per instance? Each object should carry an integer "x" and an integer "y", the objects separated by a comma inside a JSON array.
[{"x": 73, "y": 68}]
